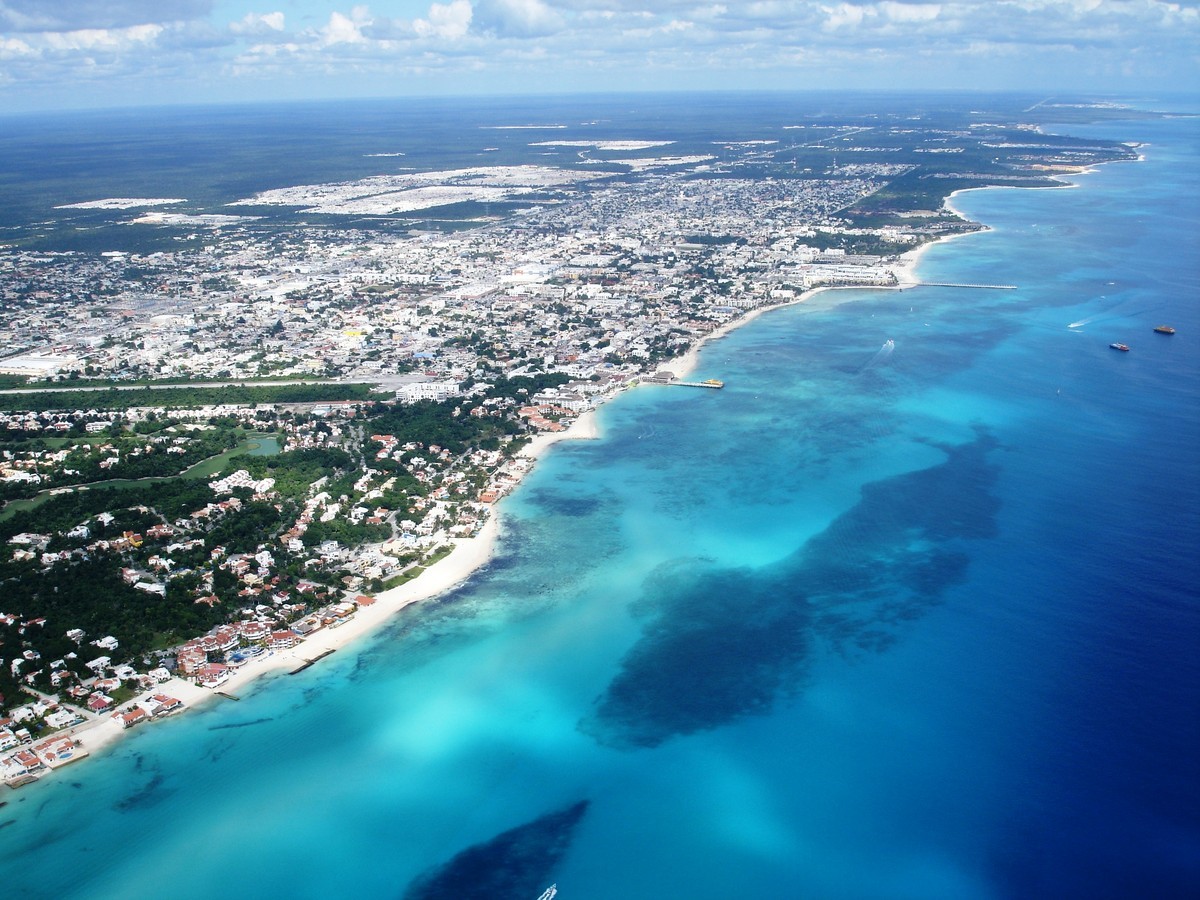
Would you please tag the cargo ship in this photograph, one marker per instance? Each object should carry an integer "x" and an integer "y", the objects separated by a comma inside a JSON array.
[{"x": 1164, "y": 329}]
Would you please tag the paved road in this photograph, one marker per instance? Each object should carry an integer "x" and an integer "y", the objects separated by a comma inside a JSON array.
[{"x": 59, "y": 388}]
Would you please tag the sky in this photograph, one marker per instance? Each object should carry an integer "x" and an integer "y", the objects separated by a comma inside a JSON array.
[{"x": 57, "y": 54}]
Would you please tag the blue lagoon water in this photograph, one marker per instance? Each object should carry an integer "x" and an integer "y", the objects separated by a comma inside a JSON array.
[{"x": 919, "y": 623}]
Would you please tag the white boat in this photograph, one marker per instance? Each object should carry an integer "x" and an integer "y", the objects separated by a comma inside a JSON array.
[{"x": 550, "y": 893}]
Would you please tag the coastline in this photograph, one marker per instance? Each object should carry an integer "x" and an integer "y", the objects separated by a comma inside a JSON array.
[
  {"x": 399, "y": 761},
  {"x": 905, "y": 270},
  {"x": 472, "y": 553},
  {"x": 468, "y": 555}
]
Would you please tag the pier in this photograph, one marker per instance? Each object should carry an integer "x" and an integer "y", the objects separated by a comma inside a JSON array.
[
  {"x": 711, "y": 384},
  {"x": 985, "y": 287},
  {"x": 309, "y": 662}
]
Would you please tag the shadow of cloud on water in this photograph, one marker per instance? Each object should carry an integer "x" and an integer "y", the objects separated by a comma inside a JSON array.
[
  {"x": 519, "y": 862},
  {"x": 718, "y": 644}
]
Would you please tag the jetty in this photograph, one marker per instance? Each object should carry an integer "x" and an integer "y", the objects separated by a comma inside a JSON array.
[
  {"x": 309, "y": 662},
  {"x": 711, "y": 384},
  {"x": 951, "y": 284}
]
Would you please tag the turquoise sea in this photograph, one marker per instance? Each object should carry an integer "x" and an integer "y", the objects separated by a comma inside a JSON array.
[{"x": 867, "y": 623}]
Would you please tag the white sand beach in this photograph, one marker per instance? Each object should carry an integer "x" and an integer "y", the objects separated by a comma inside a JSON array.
[{"x": 469, "y": 554}]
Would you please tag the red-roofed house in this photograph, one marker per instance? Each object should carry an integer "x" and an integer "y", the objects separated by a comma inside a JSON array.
[
  {"x": 190, "y": 660},
  {"x": 135, "y": 716},
  {"x": 282, "y": 640},
  {"x": 212, "y": 675},
  {"x": 162, "y": 705},
  {"x": 59, "y": 751},
  {"x": 255, "y": 632}
]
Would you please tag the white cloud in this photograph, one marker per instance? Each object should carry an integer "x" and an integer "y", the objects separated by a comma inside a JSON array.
[
  {"x": 89, "y": 15},
  {"x": 346, "y": 29},
  {"x": 526, "y": 18},
  {"x": 588, "y": 44},
  {"x": 844, "y": 15},
  {"x": 258, "y": 24},
  {"x": 910, "y": 12},
  {"x": 109, "y": 39},
  {"x": 449, "y": 21},
  {"x": 11, "y": 48}
]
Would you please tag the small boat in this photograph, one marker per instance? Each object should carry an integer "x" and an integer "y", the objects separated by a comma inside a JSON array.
[
  {"x": 550, "y": 893},
  {"x": 1124, "y": 348},
  {"x": 1164, "y": 329}
]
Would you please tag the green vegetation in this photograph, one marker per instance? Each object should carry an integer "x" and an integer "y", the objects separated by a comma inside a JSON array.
[
  {"x": 297, "y": 470},
  {"x": 61, "y": 512},
  {"x": 523, "y": 386},
  {"x": 432, "y": 422},
  {"x": 124, "y": 458},
  {"x": 413, "y": 571},
  {"x": 248, "y": 529},
  {"x": 345, "y": 533},
  {"x": 713, "y": 239},
  {"x": 91, "y": 595},
  {"x": 87, "y": 589}
]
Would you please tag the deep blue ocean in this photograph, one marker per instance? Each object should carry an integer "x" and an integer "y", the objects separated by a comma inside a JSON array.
[{"x": 918, "y": 624}]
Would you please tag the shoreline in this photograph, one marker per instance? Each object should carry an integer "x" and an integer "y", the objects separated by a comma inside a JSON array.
[
  {"x": 472, "y": 553},
  {"x": 467, "y": 556},
  {"x": 905, "y": 270}
]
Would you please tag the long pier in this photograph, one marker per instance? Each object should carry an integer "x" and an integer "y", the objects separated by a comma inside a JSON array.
[
  {"x": 985, "y": 287},
  {"x": 711, "y": 385}
]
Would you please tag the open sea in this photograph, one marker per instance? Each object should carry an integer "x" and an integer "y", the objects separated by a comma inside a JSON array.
[{"x": 867, "y": 623}]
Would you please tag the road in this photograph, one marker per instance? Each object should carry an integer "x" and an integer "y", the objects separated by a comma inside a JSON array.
[{"x": 60, "y": 388}]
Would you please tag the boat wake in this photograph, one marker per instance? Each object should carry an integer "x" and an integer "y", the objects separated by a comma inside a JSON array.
[
  {"x": 1118, "y": 310},
  {"x": 880, "y": 356}
]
